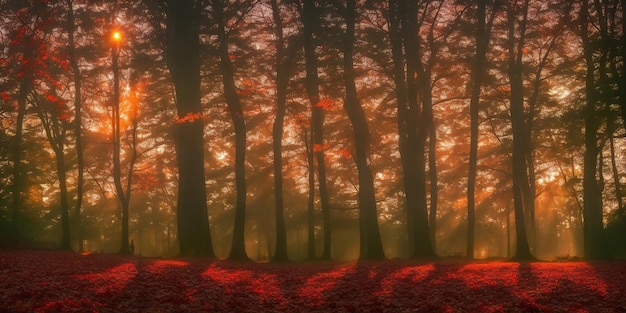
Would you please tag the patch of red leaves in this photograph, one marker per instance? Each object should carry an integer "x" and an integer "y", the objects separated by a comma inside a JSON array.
[{"x": 69, "y": 282}]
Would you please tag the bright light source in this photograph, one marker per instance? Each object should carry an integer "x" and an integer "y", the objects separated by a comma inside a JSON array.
[{"x": 117, "y": 36}]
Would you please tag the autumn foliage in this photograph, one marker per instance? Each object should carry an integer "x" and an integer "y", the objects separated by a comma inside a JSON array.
[{"x": 68, "y": 282}]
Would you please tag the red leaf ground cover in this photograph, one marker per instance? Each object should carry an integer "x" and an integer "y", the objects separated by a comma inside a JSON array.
[{"x": 45, "y": 281}]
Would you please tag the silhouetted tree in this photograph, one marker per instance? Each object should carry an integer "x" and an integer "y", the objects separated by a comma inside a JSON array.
[
  {"x": 181, "y": 21},
  {"x": 78, "y": 126},
  {"x": 311, "y": 23},
  {"x": 370, "y": 242},
  {"x": 285, "y": 54},
  {"x": 482, "y": 35},
  {"x": 595, "y": 243},
  {"x": 407, "y": 69}
]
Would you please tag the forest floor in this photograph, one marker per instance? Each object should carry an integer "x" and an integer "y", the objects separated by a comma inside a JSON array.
[{"x": 48, "y": 281}]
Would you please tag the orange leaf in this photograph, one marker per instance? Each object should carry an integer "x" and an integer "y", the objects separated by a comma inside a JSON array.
[
  {"x": 326, "y": 104},
  {"x": 189, "y": 118}
]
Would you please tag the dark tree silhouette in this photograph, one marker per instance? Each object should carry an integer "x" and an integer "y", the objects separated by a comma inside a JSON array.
[
  {"x": 78, "y": 126},
  {"x": 284, "y": 62},
  {"x": 371, "y": 247},
  {"x": 182, "y": 51},
  {"x": 523, "y": 196},
  {"x": 405, "y": 46},
  {"x": 310, "y": 21},
  {"x": 594, "y": 238},
  {"x": 482, "y": 35}
]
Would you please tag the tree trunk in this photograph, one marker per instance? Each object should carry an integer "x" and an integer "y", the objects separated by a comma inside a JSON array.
[
  {"x": 595, "y": 243},
  {"x": 182, "y": 47},
  {"x": 522, "y": 197},
  {"x": 282, "y": 80},
  {"x": 371, "y": 247},
  {"x": 434, "y": 181},
  {"x": 117, "y": 168},
  {"x": 18, "y": 171},
  {"x": 238, "y": 250},
  {"x": 311, "y": 197},
  {"x": 405, "y": 42},
  {"x": 620, "y": 76},
  {"x": 65, "y": 207},
  {"x": 310, "y": 20},
  {"x": 614, "y": 170},
  {"x": 483, "y": 34},
  {"x": 71, "y": 27},
  {"x": 55, "y": 133}
]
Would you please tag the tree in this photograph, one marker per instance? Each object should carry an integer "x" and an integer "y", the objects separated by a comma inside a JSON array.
[
  {"x": 52, "y": 112},
  {"x": 371, "y": 246},
  {"x": 523, "y": 196},
  {"x": 25, "y": 52},
  {"x": 310, "y": 21},
  {"x": 593, "y": 229},
  {"x": 182, "y": 51},
  {"x": 123, "y": 195},
  {"x": 284, "y": 61},
  {"x": 238, "y": 250},
  {"x": 78, "y": 126},
  {"x": 482, "y": 35},
  {"x": 405, "y": 46}
]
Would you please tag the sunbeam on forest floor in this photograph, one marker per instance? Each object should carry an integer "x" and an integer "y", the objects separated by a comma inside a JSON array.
[{"x": 45, "y": 281}]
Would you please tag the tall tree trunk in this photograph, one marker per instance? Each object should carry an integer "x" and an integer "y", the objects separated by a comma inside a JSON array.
[
  {"x": 65, "y": 218},
  {"x": 310, "y": 22},
  {"x": 482, "y": 34},
  {"x": 17, "y": 154},
  {"x": 238, "y": 250},
  {"x": 619, "y": 72},
  {"x": 429, "y": 129},
  {"x": 117, "y": 168},
  {"x": 71, "y": 28},
  {"x": 477, "y": 74},
  {"x": 55, "y": 133},
  {"x": 522, "y": 197},
  {"x": 405, "y": 51},
  {"x": 397, "y": 11},
  {"x": 310, "y": 197},
  {"x": 614, "y": 170},
  {"x": 182, "y": 47},
  {"x": 415, "y": 80},
  {"x": 434, "y": 180},
  {"x": 371, "y": 247},
  {"x": 283, "y": 66},
  {"x": 596, "y": 246}
]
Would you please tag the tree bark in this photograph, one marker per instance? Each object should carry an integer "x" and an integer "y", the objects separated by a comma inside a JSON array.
[
  {"x": 371, "y": 247},
  {"x": 310, "y": 21},
  {"x": 17, "y": 154},
  {"x": 412, "y": 138},
  {"x": 596, "y": 246},
  {"x": 122, "y": 197},
  {"x": 55, "y": 133},
  {"x": 522, "y": 196},
  {"x": 283, "y": 65},
  {"x": 182, "y": 50},
  {"x": 482, "y": 34},
  {"x": 238, "y": 250},
  {"x": 66, "y": 243},
  {"x": 312, "y": 255},
  {"x": 71, "y": 28}
]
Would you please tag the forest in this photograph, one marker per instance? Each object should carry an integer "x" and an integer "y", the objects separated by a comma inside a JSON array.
[{"x": 293, "y": 130}]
